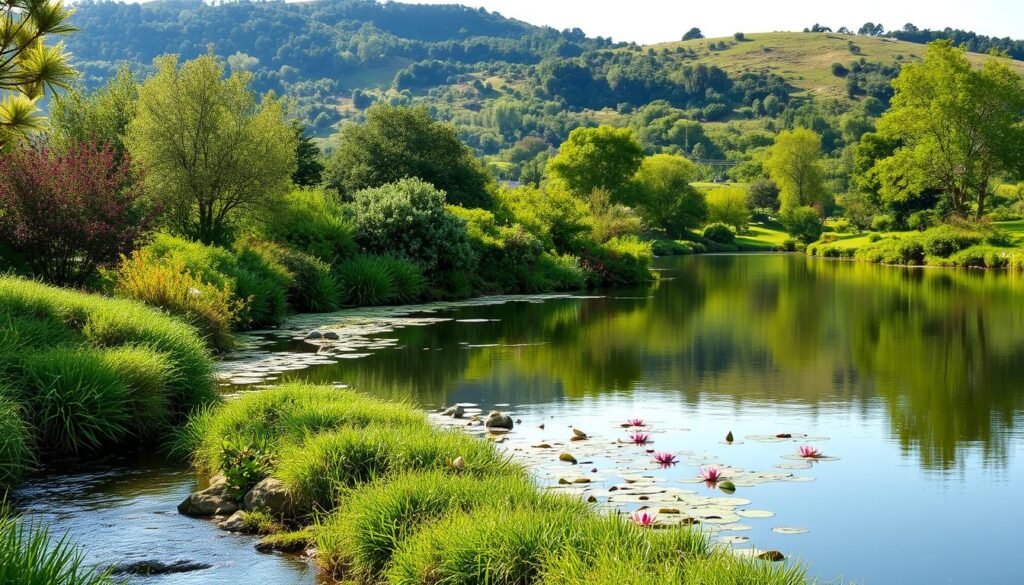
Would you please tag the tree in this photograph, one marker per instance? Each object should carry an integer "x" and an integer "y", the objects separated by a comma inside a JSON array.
[
  {"x": 101, "y": 116},
  {"x": 396, "y": 142},
  {"x": 693, "y": 33},
  {"x": 803, "y": 223},
  {"x": 794, "y": 165},
  {"x": 213, "y": 155},
  {"x": 308, "y": 169},
  {"x": 958, "y": 128},
  {"x": 665, "y": 197},
  {"x": 728, "y": 205},
  {"x": 597, "y": 158},
  {"x": 28, "y": 66},
  {"x": 763, "y": 194},
  {"x": 67, "y": 214}
]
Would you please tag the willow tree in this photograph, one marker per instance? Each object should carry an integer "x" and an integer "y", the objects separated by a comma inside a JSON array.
[
  {"x": 29, "y": 66},
  {"x": 958, "y": 127},
  {"x": 213, "y": 155}
]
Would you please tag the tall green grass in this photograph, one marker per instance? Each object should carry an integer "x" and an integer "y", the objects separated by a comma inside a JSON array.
[
  {"x": 30, "y": 556},
  {"x": 15, "y": 439},
  {"x": 314, "y": 289},
  {"x": 366, "y": 280}
]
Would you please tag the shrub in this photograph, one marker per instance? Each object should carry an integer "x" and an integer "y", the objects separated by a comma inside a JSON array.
[
  {"x": 316, "y": 469},
  {"x": 920, "y": 220},
  {"x": 244, "y": 466},
  {"x": 406, "y": 277},
  {"x": 999, "y": 238},
  {"x": 844, "y": 226},
  {"x": 170, "y": 286},
  {"x": 981, "y": 257},
  {"x": 68, "y": 215},
  {"x": 555, "y": 217},
  {"x": 719, "y": 233},
  {"x": 789, "y": 245},
  {"x": 893, "y": 251},
  {"x": 311, "y": 220},
  {"x": 802, "y": 223},
  {"x": 945, "y": 240},
  {"x": 408, "y": 219},
  {"x": 262, "y": 278},
  {"x": 313, "y": 288},
  {"x": 874, "y": 237},
  {"x": 366, "y": 280},
  {"x": 664, "y": 247},
  {"x": 30, "y": 556},
  {"x": 560, "y": 273},
  {"x": 77, "y": 403},
  {"x": 360, "y": 538},
  {"x": 15, "y": 440},
  {"x": 883, "y": 223},
  {"x": 618, "y": 261}
]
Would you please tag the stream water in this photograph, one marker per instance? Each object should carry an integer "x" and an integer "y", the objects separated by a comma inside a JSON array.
[{"x": 909, "y": 378}]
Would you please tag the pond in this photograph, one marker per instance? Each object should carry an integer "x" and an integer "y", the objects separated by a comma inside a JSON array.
[{"x": 907, "y": 379}]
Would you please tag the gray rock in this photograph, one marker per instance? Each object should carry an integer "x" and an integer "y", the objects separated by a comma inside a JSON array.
[
  {"x": 272, "y": 497},
  {"x": 234, "y": 523},
  {"x": 213, "y": 501},
  {"x": 331, "y": 335},
  {"x": 314, "y": 334},
  {"x": 497, "y": 420},
  {"x": 158, "y": 567},
  {"x": 454, "y": 411}
]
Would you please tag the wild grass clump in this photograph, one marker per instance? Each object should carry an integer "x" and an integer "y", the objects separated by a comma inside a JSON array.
[
  {"x": 92, "y": 372},
  {"x": 358, "y": 540},
  {"x": 313, "y": 288},
  {"x": 259, "y": 522},
  {"x": 366, "y": 280},
  {"x": 406, "y": 277},
  {"x": 311, "y": 220},
  {"x": 560, "y": 272},
  {"x": 316, "y": 470},
  {"x": 15, "y": 440},
  {"x": 289, "y": 412},
  {"x": 30, "y": 556},
  {"x": 212, "y": 309},
  {"x": 619, "y": 261}
]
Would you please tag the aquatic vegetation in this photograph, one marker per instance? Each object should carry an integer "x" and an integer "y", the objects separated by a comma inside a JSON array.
[
  {"x": 665, "y": 458},
  {"x": 639, "y": 438},
  {"x": 809, "y": 452},
  {"x": 643, "y": 518},
  {"x": 711, "y": 473},
  {"x": 635, "y": 422}
]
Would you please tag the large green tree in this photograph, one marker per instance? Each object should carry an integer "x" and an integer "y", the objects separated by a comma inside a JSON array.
[
  {"x": 101, "y": 116},
  {"x": 213, "y": 155},
  {"x": 398, "y": 142},
  {"x": 958, "y": 128},
  {"x": 597, "y": 158},
  {"x": 664, "y": 196},
  {"x": 794, "y": 163},
  {"x": 28, "y": 66}
]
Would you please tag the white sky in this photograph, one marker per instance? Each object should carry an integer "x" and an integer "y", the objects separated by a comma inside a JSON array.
[{"x": 652, "y": 21}]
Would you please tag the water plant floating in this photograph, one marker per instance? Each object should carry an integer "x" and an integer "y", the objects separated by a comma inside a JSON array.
[
  {"x": 712, "y": 473},
  {"x": 665, "y": 458},
  {"x": 639, "y": 438},
  {"x": 808, "y": 451},
  {"x": 643, "y": 518},
  {"x": 635, "y": 422}
]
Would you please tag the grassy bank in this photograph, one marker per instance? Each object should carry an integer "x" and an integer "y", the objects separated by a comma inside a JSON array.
[
  {"x": 390, "y": 498},
  {"x": 29, "y": 555},
  {"x": 82, "y": 373}
]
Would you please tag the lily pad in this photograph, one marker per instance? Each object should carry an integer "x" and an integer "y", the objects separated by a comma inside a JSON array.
[
  {"x": 733, "y": 539},
  {"x": 790, "y": 530},
  {"x": 755, "y": 513}
]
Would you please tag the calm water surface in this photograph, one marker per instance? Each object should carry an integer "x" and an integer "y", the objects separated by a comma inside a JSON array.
[{"x": 914, "y": 375}]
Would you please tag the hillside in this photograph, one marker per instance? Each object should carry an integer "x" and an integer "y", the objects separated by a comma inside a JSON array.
[{"x": 805, "y": 60}]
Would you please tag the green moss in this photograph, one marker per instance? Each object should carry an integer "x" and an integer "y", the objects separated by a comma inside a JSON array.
[{"x": 288, "y": 542}]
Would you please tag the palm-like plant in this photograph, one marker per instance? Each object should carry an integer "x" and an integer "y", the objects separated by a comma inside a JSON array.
[{"x": 28, "y": 66}]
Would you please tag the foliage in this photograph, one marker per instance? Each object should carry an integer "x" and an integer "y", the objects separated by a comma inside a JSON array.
[
  {"x": 794, "y": 166},
  {"x": 311, "y": 220},
  {"x": 396, "y": 143},
  {"x": 719, "y": 233},
  {"x": 665, "y": 197},
  {"x": 618, "y": 261},
  {"x": 610, "y": 220},
  {"x": 763, "y": 194},
  {"x": 215, "y": 158},
  {"x": 553, "y": 216},
  {"x": 596, "y": 158},
  {"x": 169, "y": 285},
  {"x": 366, "y": 280},
  {"x": 803, "y": 223},
  {"x": 728, "y": 205},
  {"x": 959, "y": 127},
  {"x": 15, "y": 439},
  {"x": 947, "y": 239},
  {"x": 244, "y": 466},
  {"x": 312, "y": 286},
  {"x": 907, "y": 251},
  {"x": 28, "y": 65},
  {"x": 69, "y": 214},
  {"x": 408, "y": 219},
  {"x": 100, "y": 117},
  {"x": 309, "y": 167},
  {"x": 29, "y": 555}
]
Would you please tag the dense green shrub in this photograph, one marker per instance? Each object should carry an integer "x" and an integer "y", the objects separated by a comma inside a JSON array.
[
  {"x": 313, "y": 288},
  {"x": 312, "y": 221},
  {"x": 719, "y": 233},
  {"x": 408, "y": 219},
  {"x": 262, "y": 278},
  {"x": 946, "y": 239},
  {"x": 908, "y": 251},
  {"x": 169, "y": 285},
  {"x": 618, "y": 261},
  {"x": 15, "y": 439},
  {"x": 30, "y": 556},
  {"x": 563, "y": 273},
  {"x": 920, "y": 220},
  {"x": 665, "y": 247},
  {"x": 844, "y": 226},
  {"x": 366, "y": 280},
  {"x": 406, "y": 278},
  {"x": 883, "y": 223},
  {"x": 999, "y": 238},
  {"x": 802, "y": 223},
  {"x": 555, "y": 217},
  {"x": 980, "y": 257}
]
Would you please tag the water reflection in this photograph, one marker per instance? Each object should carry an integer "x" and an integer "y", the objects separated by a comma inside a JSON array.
[{"x": 937, "y": 347}]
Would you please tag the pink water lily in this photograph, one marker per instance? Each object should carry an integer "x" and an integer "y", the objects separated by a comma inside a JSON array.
[
  {"x": 635, "y": 422},
  {"x": 639, "y": 438},
  {"x": 809, "y": 451},
  {"x": 642, "y": 518},
  {"x": 665, "y": 458},
  {"x": 711, "y": 473}
]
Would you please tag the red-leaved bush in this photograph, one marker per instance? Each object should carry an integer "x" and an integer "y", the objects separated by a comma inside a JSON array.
[{"x": 66, "y": 215}]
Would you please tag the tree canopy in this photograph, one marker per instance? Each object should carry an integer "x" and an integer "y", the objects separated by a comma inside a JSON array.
[
  {"x": 794, "y": 165},
  {"x": 597, "y": 158},
  {"x": 665, "y": 197}
]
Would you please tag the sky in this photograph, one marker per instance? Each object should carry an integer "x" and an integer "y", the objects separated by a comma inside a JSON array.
[{"x": 652, "y": 21}]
